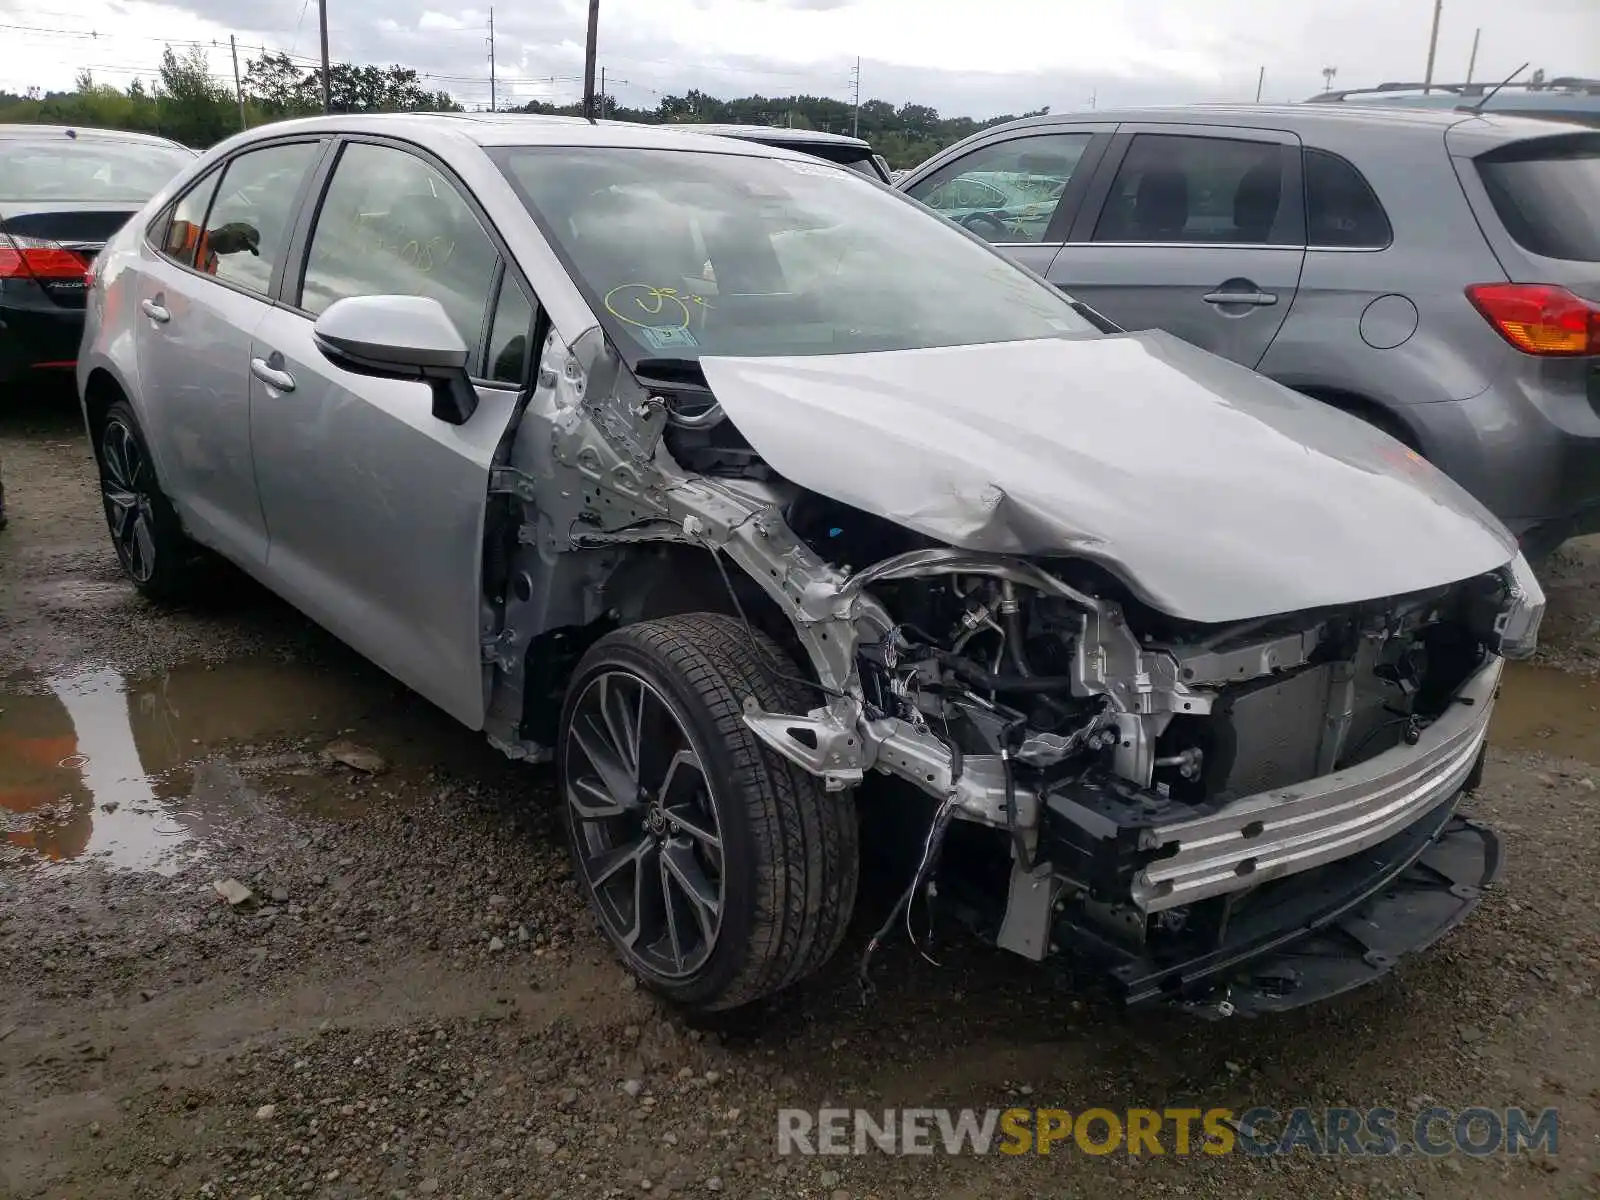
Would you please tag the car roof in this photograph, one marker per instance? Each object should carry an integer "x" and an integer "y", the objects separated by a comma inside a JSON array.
[
  {"x": 1489, "y": 127},
  {"x": 86, "y": 133},
  {"x": 527, "y": 129}
]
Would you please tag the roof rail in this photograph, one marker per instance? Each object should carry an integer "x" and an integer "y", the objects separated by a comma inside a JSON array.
[{"x": 1563, "y": 83}]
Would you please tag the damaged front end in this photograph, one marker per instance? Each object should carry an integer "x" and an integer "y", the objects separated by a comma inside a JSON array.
[
  {"x": 1186, "y": 807},
  {"x": 1240, "y": 815}
]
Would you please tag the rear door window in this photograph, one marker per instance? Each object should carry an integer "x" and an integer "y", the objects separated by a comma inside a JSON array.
[
  {"x": 1201, "y": 190},
  {"x": 1546, "y": 192},
  {"x": 247, "y": 230},
  {"x": 180, "y": 232}
]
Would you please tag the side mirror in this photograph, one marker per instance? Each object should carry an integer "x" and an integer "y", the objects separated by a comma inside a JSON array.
[{"x": 401, "y": 337}]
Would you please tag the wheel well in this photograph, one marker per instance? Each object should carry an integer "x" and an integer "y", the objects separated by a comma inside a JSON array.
[
  {"x": 650, "y": 584},
  {"x": 1369, "y": 411},
  {"x": 99, "y": 394}
]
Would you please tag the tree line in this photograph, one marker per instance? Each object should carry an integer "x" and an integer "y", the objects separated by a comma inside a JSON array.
[
  {"x": 905, "y": 135},
  {"x": 190, "y": 105}
]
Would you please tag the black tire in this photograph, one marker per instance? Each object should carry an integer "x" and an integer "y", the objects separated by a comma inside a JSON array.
[
  {"x": 161, "y": 560},
  {"x": 788, "y": 854}
]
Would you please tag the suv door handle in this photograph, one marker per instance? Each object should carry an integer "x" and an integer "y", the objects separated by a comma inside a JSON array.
[
  {"x": 271, "y": 376},
  {"x": 1260, "y": 299},
  {"x": 155, "y": 312}
]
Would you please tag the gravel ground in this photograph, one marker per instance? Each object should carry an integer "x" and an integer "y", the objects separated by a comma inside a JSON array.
[{"x": 414, "y": 1001}]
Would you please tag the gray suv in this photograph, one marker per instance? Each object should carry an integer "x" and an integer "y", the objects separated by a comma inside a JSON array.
[{"x": 1436, "y": 273}]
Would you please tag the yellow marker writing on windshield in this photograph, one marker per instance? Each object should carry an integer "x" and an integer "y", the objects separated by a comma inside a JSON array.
[{"x": 637, "y": 303}]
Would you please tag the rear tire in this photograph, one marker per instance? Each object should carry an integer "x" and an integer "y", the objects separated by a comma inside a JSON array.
[
  {"x": 161, "y": 560},
  {"x": 677, "y": 814}
]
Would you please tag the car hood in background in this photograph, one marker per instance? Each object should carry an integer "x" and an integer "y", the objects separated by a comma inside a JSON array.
[{"x": 1214, "y": 493}]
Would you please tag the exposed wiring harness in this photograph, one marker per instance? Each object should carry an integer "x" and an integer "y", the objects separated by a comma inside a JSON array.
[
  {"x": 931, "y": 846},
  {"x": 1019, "y": 839}
]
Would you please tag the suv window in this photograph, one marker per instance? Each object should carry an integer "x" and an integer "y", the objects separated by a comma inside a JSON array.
[
  {"x": 1341, "y": 209},
  {"x": 1006, "y": 191},
  {"x": 391, "y": 224},
  {"x": 1176, "y": 188},
  {"x": 180, "y": 229},
  {"x": 1544, "y": 192},
  {"x": 248, "y": 227}
]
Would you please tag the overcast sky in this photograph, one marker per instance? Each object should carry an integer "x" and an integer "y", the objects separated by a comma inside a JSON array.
[{"x": 961, "y": 56}]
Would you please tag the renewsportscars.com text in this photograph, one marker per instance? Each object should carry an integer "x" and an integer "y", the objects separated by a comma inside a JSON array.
[{"x": 1372, "y": 1132}]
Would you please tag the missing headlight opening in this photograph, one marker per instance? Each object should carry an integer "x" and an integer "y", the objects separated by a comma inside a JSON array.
[{"x": 1164, "y": 798}]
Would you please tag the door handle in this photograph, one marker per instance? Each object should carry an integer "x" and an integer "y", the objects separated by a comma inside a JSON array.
[
  {"x": 155, "y": 312},
  {"x": 1259, "y": 299},
  {"x": 271, "y": 376}
]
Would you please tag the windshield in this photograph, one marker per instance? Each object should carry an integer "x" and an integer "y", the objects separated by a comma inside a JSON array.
[
  {"x": 62, "y": 169},
  {"x": 690, "y": 253}
]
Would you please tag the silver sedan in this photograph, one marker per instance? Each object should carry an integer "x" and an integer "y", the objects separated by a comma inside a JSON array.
[{"x": 791, "y": 521}]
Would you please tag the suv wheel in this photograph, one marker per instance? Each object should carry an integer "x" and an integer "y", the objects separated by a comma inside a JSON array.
[
  {"x": 720, "y": 871},
  {"x": 154, "y": 551}
]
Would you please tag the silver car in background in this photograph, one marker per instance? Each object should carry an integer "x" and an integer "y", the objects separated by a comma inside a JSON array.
[
  {"x": 1436, "y": 273},
  {"x": 768, "y": 505}
]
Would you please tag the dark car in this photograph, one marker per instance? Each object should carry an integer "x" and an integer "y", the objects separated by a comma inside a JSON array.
[
  {"x": 838, "y": 148},
  {"x": 63, "y": 193}
]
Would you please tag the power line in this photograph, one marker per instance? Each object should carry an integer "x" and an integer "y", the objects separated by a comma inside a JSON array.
[{"x": 299, "y": 21}]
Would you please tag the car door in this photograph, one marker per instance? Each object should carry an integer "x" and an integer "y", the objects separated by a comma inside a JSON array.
[
  {"x": 374, "y": 508},
  {"x": 203, "y": 287},
  {"x": 1198, "y": 230},
  {"x": 1018, "y": 191}
]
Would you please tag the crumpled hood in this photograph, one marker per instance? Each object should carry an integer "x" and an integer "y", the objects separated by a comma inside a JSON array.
[{"x": 1214, "y": 493}]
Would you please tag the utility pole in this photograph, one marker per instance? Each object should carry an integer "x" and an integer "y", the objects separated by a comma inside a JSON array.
[
  {"x": 602, "y": 96},
  {"x": 327, "y": 84},
  {"x": 588, "y": 59},
  {"x": 491, "y": 59},
  {"x": 1472, "y": 62},
  {"x": 1327, "y": 78},
  {"x": 1261, "y": 78},
  {"x": 1433, "y": 46},
  {"x": 238, "y": 88},
  {"x": 855, "y": 122}
]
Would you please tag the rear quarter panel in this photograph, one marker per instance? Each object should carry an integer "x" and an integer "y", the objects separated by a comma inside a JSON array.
[
  {"x": 1437, "y": 250},
  {"x": 109, "y": 320},
  {"x": 111, "y": 308}
]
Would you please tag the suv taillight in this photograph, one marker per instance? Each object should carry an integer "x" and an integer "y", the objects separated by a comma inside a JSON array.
[
  {"x": 1540, "y": 318},
  {"x": 38, "y": 258}
]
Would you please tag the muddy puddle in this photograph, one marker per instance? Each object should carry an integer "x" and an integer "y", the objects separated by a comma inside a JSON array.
[
  {"x": 134, "y": 772},
  {"x": 1544, "y": 709}
]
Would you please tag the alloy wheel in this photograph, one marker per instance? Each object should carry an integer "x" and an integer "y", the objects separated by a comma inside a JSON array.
[
  {"x": 125, "y": 486},
  {"x": 645, "y": 825}
]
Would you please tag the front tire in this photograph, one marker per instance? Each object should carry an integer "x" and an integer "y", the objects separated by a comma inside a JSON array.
[
  {"x": 720, "y": 871},
  {"x": 155, "y": 553}
]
